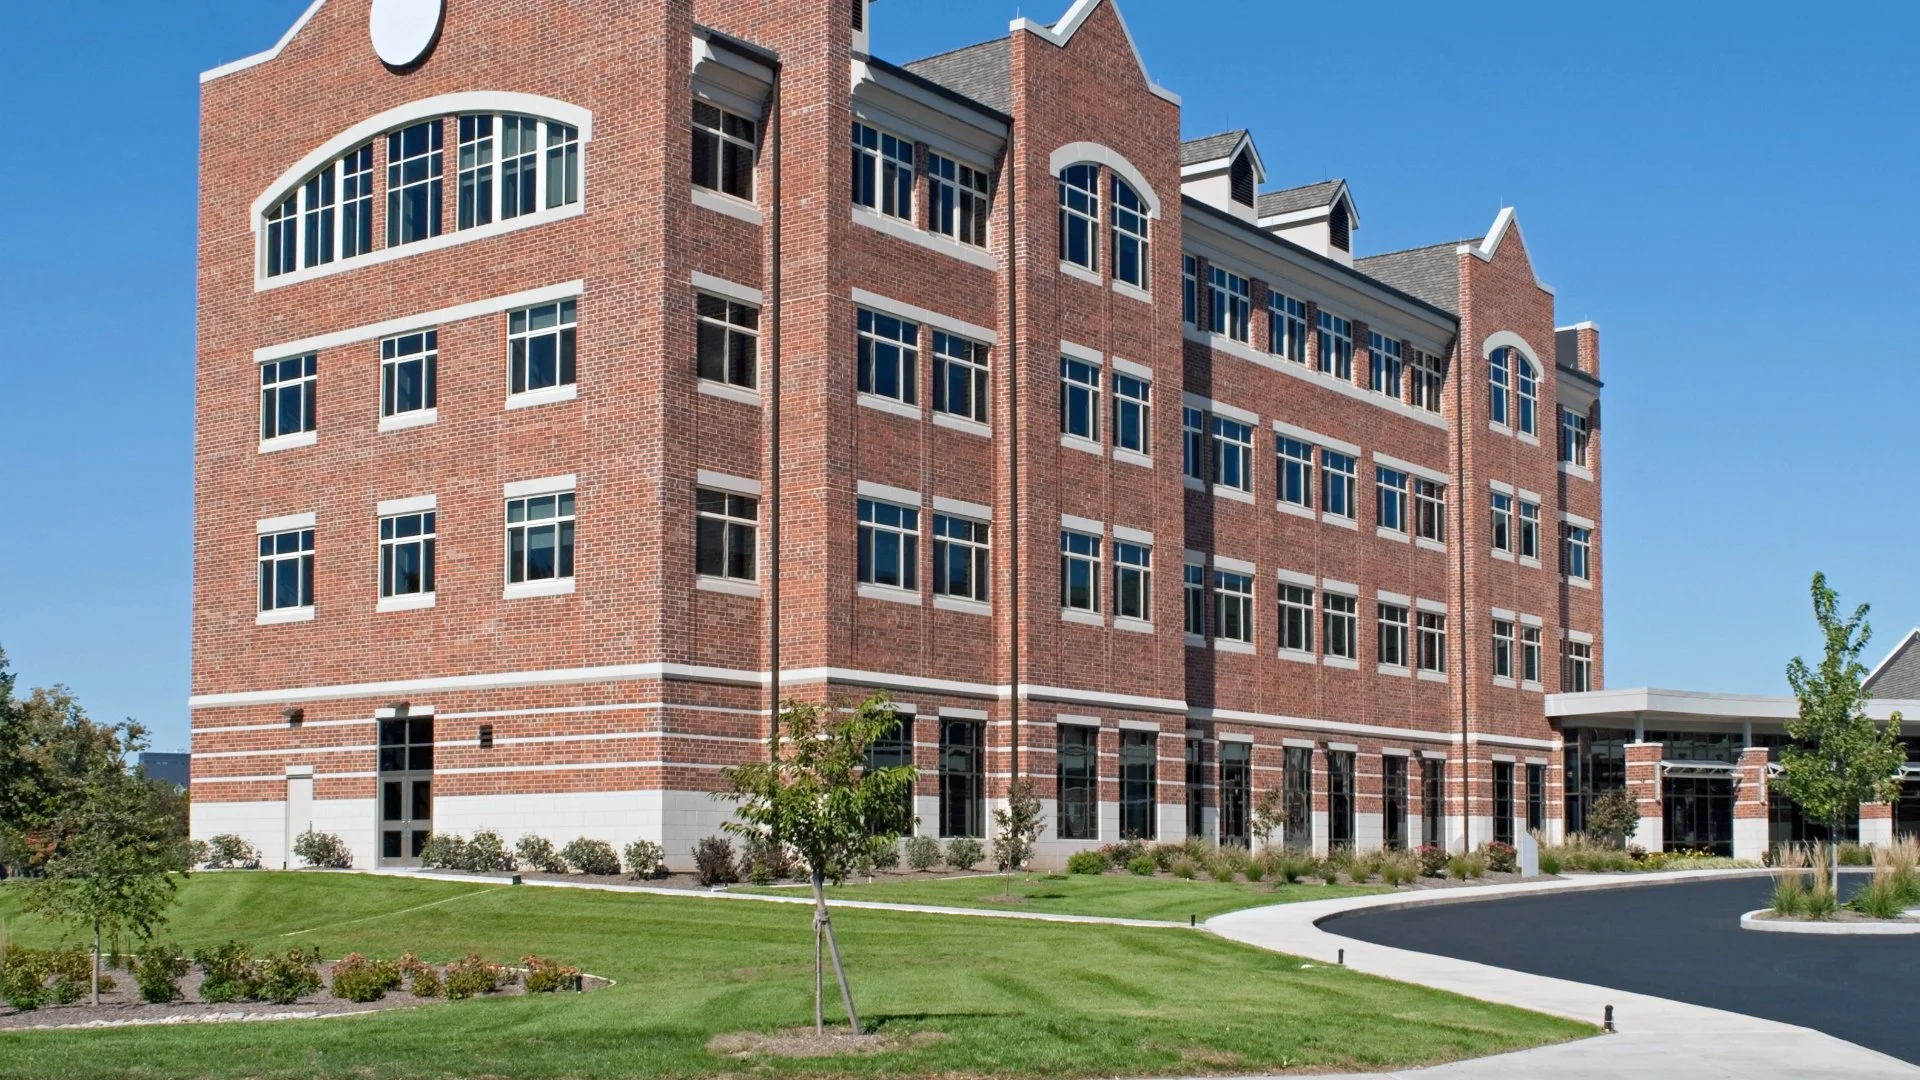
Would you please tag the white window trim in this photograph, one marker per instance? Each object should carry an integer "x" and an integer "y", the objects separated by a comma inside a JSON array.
[
  {"x": 728, "y": 586},
  {"x": 1074, "y": 270},
  {"x": 1083, "y": 525},
  {"x": 737, "y": 485},
  {"x": 1338, "y": 446},
  {"x": 1083, "y": 353},
  {"x": 1578, "y": 521},
  {"x": 1132, "y": 625},
  {"x": 1400, "y": 599},
  {"x": 1402, "y": 465},
  {"x": 546, "y": 485},
  {"x": 280, "y": 616},
  {"x": 1431, "y": 607},
  {"x": 1191, "y": 400},
  {"x": 1578, "y": 472},
  {"x": 521, "y": 590},
  {"x": 911, "y": 313},
  {"x": 729, "y": 392},
  {"x": 867, "y": 590},
  {"x": 890, "y": 406},
  {"x": 1085, "y": 618},
  {"x": 932, "y": 241},
  {"x": 906, "y": 497},
  {"x": 1578, "y": 637},
  {"x": 1129, "y": 535},
  {"x": 1291, "y": 577},
  {"x": 1129, "y": 368},
  {"x": 745, "y": 294},
  {"x": 1534, "y": 621},
  {"x": 1132, "y": 292},
  {"x": 1132, "y": 457},
  {"x": 963, "y": 424},
  {"x": 418, "y": 504},
  {"x": 1086, "y": 445},
  {"x": 414, "y": 419},
  {"x": 963, "y": 605},
  {"x": 1232, "y": 565},
  {"x": 286, "y": 523},
  {"x": 408, "y": 602},
  {"x": 425, "y": 320},
  {"x": 289, "y": 442},
  {"x": 722, "y": 203}
]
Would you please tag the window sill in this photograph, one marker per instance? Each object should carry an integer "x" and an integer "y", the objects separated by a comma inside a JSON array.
[
  {"x": 870, "y": 591},
  {"x": 1504, "y": 683},
  {"x": 1396, "y": 535},
  {"x": 728, "y": 205},
  {"x": 889, "y": 405},
  {"x": 728, "y": 586},
  {"x": 417, "y": 418},
  {"x": 281, "y": 616},
  {"x": 1531, "y": 564},
  {"x": 1221, "y": 491},
  {"x": 1132, "y": 457},
  {"x": 1425, "y": 544},
  {"x": 1087, "y": 446},
  {"x": 1229, "y": 645},
  {"x": 730, "y": 392},
  {"x": 1133, "y": 626},
  {"x": 1341, "y": 662},
  {"x": 420, "y": 247},
  {"x": 1392, "y": 669},
  {"x": 1578, "y": 583},
  {"x": 963, "y": 605},
  {"x": 1132, "y": 292},
  {"x": 410, "y": 602},
  {"x": 289, "y": 442},
  {"x": 1533, "y": 686},
  {"x": 1580, "y": 472},
  {"x": 1298, "y": 656},
  {"x": 1084, "y": 618},
  {"x": 1322, "y": 379},
  {"x": 544, "y": 396},
  {"x": 1075, "y": 270},
  {"x": 1498, "y": 428},
  {"x": 1433, "y": 676},
  {"x": 1342, "y": 522},
  {"x": 1503, "y": 556},
  {"x": 905, "y": 230},
  {"x": 1296, "y": 511},
  {"x": 1193, "y": 485},
  {"x": 1195, "y": 641},
  {"x": 521, "y": 590},
  {"x": 1530, "y": 440},
  {"x": 962, "y": 423}
]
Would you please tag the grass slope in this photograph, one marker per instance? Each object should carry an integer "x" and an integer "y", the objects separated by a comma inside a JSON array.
[
  {"x": 1122, "y": 896},
  {"x": 1014, "y": 999}
]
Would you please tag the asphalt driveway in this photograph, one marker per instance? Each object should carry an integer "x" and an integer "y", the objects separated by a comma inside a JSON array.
[{"x": 1683, "y": 942}]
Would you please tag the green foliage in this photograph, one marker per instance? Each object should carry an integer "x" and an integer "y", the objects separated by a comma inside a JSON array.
[
  {"x": 323, "y": 849},
  {"x": 1399, "y": 867},
  {"x": 713, "y": 862},
  {"x": 230, "y": 851},
  {"x": 426, "y": 983},
  {"x": 230, "y": 972},
  {"x": 1613, "y": 817},
  {"x": 471, "y": 976},
  {"x": 1143, "y": 865},
  {"x": 1221, "y": 868},
  {"x": 1855, "y": 855},
  {"x": 1290, "y": 865},
  {"x": 23, "y": 976},
  {"x": 591, "y": 857},
  {"x": 356, "y": 978},
  {"x": 538, "y": 853},
  {"x": 1131, "y": 848},
  {"x": 646, "y": 859},
  {"x": 444, "y": 851},
  {"x": 764, "y": 861},
  {"x": 1433, "y": 860},
  {"x": 1467, "y": 866},
  {"x": 549, "y": 976},
  {"x": 1269, "y": 815},
  {"x": 1185, "y": 868},
  {"x": 1255, "y": 869},
  {"x": 923, "y": 852},
  {"x": 1017, "y": 827},
  {"x": 1087, "y": 862},
  {"x": 158, "y": 969},
  {"x": 1550, "y": 863},
  {"x": 287, "y": 978},
  {"x": 963, "y": 853},
  {"x": 1878, "y": 899},
  {"x": 486, "y": 852},
  {"x": 1501, "y": 858},
  {"x": 884, "y": 853},
  {"x": 1789, "y": 898}
]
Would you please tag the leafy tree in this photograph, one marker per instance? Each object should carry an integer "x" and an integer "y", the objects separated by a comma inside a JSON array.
[
  {"x": 1269, "y": 813},
  {"x": 1839, "y": 758},
  {"x": 817, "y": 795},
  {"x": 1614, "y": 816},
  {"x": 1017, "y": 826}
]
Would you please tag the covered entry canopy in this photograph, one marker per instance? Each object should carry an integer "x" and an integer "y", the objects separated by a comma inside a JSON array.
[{"x": 1696, "y": 710}]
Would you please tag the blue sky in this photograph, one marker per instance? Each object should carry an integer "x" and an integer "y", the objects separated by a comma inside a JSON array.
[{"x": 1728, "y": 192}]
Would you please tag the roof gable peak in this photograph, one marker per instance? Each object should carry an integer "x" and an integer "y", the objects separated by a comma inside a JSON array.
[{"x": 1062, "y": 32}]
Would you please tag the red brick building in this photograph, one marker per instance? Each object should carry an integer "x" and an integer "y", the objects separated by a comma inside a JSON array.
[{"x": 546, "y": 406}]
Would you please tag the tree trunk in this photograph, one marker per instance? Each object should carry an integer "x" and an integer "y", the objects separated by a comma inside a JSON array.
[
  {"x": 825, "y": 923},
  {"x": 1834, "y": 831},
  {"x": 819, "y": 979},
  {"x": 96, "y": 962}
]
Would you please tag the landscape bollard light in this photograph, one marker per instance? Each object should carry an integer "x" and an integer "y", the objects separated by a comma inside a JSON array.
[
  {"x": 515, "y": 880},
  {"x": 1607, "y": 1024},
  {"x": 1343, "y": 958},
  {"x": 1193, "y": 920}
]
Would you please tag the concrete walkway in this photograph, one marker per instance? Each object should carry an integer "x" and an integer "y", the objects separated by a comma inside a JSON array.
[{"x": 1658, "y": 1038}]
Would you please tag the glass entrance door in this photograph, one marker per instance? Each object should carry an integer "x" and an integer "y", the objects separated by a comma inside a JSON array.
[
  {"x": 406, "y": 789},
  {"x": 1699, "y": 814}
]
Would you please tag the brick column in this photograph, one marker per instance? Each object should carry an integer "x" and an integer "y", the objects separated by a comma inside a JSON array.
[
  {"x": 1876, "y": 823},
  {"x": 1643, "y": 779},
  {"x": 1750, "y": 805}
]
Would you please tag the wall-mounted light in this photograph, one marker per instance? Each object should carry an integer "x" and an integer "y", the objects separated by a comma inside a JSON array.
[{"x": 295, "y": 715}]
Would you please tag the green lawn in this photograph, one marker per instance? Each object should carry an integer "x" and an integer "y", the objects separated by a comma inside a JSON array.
[
  {"x": 1122, "y": 896},
  {"x": 1012, "y": 999}
]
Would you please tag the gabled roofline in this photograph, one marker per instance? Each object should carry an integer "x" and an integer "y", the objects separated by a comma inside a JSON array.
[
  {"x": 1245, "y": 140},
  {"x": 1905, "y": 643},
  {"x": 1507, "y": 219},
  {"x": 1062, "y": 32},
  {"x": 1340, "y": 192},
  {"x": 258, "y": 58},
  {"x": 936, "y": 89}
]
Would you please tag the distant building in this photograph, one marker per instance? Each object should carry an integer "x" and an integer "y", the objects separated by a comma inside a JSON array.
[{"x": 173, "y": 768}]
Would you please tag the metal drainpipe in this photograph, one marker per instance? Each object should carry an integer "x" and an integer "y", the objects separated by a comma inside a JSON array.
[
  {"x": 1460, "y": 564},
  {"x": 773, "y": 486},
  {"x": 1013, "y": 463}
]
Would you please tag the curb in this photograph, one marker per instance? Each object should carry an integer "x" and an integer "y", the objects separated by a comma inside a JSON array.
[{"x": 1752, "y": 921}]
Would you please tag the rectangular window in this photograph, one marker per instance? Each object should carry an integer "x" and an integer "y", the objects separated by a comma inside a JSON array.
[
  {"x": 1138, "y": 767},
  {"x": 1530, "y": 654},
  {"x": 476, "y": 194},
  {"x": 1393, "y": 635},
  {"x": 1390, "y": 506},
  {"x": 727, "y": 535},
  {"x": 1498, "y": 382},
  {"x": 1536, "y": 798},
  {"x": 1132, "y": 413},
  {"x": 1502, "y": 507},
  {"x": 728, "y": 333},
  {"x": 288, "y": 390},
  {"x": 540, "y": 347},
  {"x": 286, "y": 570},
  {"x": 1132, "y": 581},
  {"x": 1336, "y": 346},
  {"x": 1578, "y": 678},
  {"x": 413, "y": 183},
  {"x": 1529, "y": 530},
  {"x": 960, "y": 558},
  {"x": 317, "y": 219},
  {"x": 1193, "y": 444},
  {"x": 1078, "y": 765},
  {"x": 1228, "y": 303},
  {"x": 1429, "y": 376},
  {"x": 1502, "y": 649},
  {"x": 1232, "y": 454},
  {"x": 1236, "y": 792},
  {"x": 1573, "y": 438},
  {"x": 1295, "y": 479},
  {"x": 1338, "y": 474},
  {"x": 882, "y": 172},
  {"x": 959, "y": 376},
  {"x": 540, "y": 538},
  {"x": 1232, "y": 606},
  {"x": 1130, "y": 247},
  {"x": 1287, "y": 327},
  {"x": 409, "y": 370},
  {"x": 889, "y": 357},
  {"x": 1429, "y": 510},
  {"x": 1393, "y": 803},
  {"x": 406, "y": 554},
  {"x": 1576, "y": 551},
  {"x": 356, "y": 202},
  {"x": 1342, "y": 632},
  {"x": 1079, "y": 571},
  {"x": 1296, "y": 618},
  {"x": 563, "y": 165},
  {"x": 1340, "y": 815},
  {"x": 1296, "y": 788},
  {"x": 723, "y": 146},
  {"x": 1080, "y": 216},
  {"x": 1189, "y": 291},
  {"x": 1503, "y": 802},
  {"x": 889, "y": 545},
  {"x": 1194, "y": 593},
  {"x": 962, "y": 778},
  {"x": 894, "y": 750},
  {"x": 1079, "y": 399},
  {"x": 1433, "y": 641},
  {"x": 1433, "y": 802},
  {"x": 519, "y": 166},
  {"x": 1196, "y": 786},
  {"x": 960, "y": 200},
  {"x": 283, "y": 236},
  {"x": 1385, "y": 365}
]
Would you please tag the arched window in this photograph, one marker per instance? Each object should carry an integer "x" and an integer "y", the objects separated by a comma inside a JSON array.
[
  {"x": 1498, "y": 376},
  {"x": 1129, "y": 235},
  {"x": 1526, "y": 392},
  {"x": 1080, "y": 215}
]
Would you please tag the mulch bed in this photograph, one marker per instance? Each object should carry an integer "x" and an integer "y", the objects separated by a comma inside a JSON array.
[{"x": 806, "y": 1043}]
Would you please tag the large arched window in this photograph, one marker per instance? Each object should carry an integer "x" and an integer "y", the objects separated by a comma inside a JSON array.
[
  {"x": 1130, "y": 239},
  {"x": 1080, "y": 215},
  {"x": 1499, "y": 375},
  {"x": 1526, "y": 393}
]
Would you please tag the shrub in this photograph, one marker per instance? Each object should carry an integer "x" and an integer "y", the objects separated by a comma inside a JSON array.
[
  {"x": 764, "y": 862},
  {"x": 72, "y": 971},
  {"x": 885, "y": 853},
  {"x": 923, "y": 852},
  {"x": 1291, "y": 865},
  {"x": 425, "y": 983},
  {"x": 549, "y": 976},
  {"x": 1185, "y": 868},
  {"x": 712, "y": 865},
  {"x": 1903, "y": 868},
  {"x": 444, "y": 851},
  {"x": 1328, "y": 869},
  {"x": 1433, "y": 860},
  {"x": 1856, "y": 855},
  {"x": 486, "y": 852},
  {"x": 1467, "y": 865},
  {"x": 1255, "y": 869},
  {"x": 471, "y": 976},
  {"x": 1877, "y": 900},
  {"x": 591, "y": 857},
  {"x": 1164, "y": 854},
  {"x": 356, "y": 978},
  {"x": 1087, "y": 862},
  {"x": 286, "y": 979},
  {"x": 537, "y": 853},
  {"x": 964, "y": 853},
  {"x": 1127, "y": 850},
  {"x": 323, "y": 849},
  {"x": 1142, "y": 865},
  {"x": 158, "y": 969},
  {"x": 1501, "y": 858},
  {"x": 1549, "y": 862},
  {"x": 23, "y": 974},
  {"x": 1789, "y": 899},
  {"x": 1221, "y": 868},
  {"x": 228, "y": 850},
  {"x": 1399, "y": 868},
  {"x": 231, "y": 974},
  {"x": 646, "y": 859},
  {"x": 1614, "y": 816},
  {"x": 199, "y": 853},
  {"x": 1364, "y": 865}
]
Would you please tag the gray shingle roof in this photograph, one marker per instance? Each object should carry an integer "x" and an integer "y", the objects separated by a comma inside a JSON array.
[
  {"x": 983, "y": 72},
  {"x": 1431, "y": 273},
  {"x": 1299, "y": 198},
  {"x": 1210, "y": 147},
  {"x": 1899, "y": 676}
]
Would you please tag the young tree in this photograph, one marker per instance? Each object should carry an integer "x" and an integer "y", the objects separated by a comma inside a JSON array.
[
  {"x": 1839, "y": 758},
  {"x": 818, "y": 797},
  {"x": 1614, "y": 816},
  {"x": 1269, "y": 813},
  {"x": 1017, "y": 827}
]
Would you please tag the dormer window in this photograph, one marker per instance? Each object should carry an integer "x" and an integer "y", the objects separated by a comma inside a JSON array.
[
  {"x": 1339, "y": 227},
  {"x": 1240, "y": 175}
]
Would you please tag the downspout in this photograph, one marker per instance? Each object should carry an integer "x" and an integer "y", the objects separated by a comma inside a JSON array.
[
  {"x": 773, "y": 404},
  {"x": 1013, "y": 465},
  {"x": 1460, "y": 568}
]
